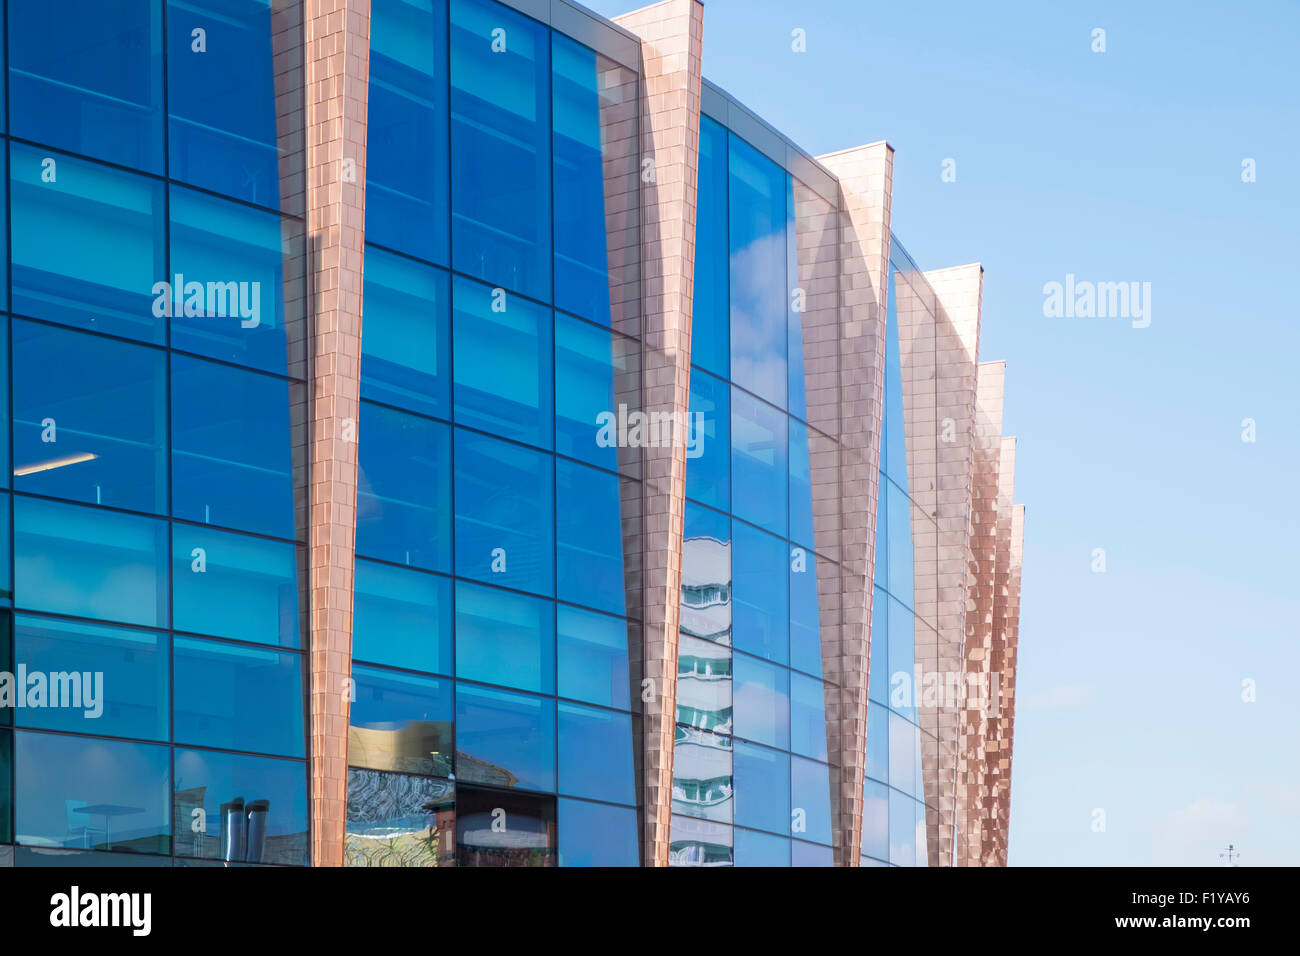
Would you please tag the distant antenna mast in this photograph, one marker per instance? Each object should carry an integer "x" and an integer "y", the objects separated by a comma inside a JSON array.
[{"x": 1230, "y": 855}]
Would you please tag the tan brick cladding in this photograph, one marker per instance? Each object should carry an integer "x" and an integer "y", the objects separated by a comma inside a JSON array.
[
  {"x": 865, "y": 174},
  {"x": 1006, "y": 650},
  {"x": 671, "y": 41},
  {"x": 337, "y": 62},
  {"x": 939, "y": 319}
]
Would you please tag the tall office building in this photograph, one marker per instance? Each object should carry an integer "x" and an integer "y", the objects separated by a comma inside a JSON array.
[{"x": 454, "y": 433}]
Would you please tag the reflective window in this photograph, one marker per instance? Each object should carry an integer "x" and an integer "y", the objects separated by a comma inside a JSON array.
[
  {"x": 875, "y": 820},
  {"x": 401, "y": 617},
  {"x": 808, "y": 854},
  {"x": 592, "y": 650},
  {"x": 505, "y": 638},
  {"x": 6, "y": 783},
  {"x": 406, "y": 139},
  {"x": 231, "y": 585},
  {"x": 6, "y": 571},
  {"x": 759, "y": 295},
  {"x": 88, "y": 562},
  {"x": 710, "y": 348},
  {"x": 902, "y": 829},
  {"x": 893, "y": 444},
  {"x": 91, "y": 794},
  {"x": 86, "y": 75},
  {"x": 761, "y": 609},
  {"x": 762, "y": 788},
  {"x": 405, "y": 332},
  {"x": 500, "y": 147},
  {"x": 901, "y": 572},
  {"x": 89, "y": 418},
  {"x": 232, "y": 447},
  {"x": 902, "y": 659},
  {"x": 505, "y": 529},
  {"x": 805, "y": 610},
  {"x": 399, "y": 820},
  {"x": 708, "y": 470},
  {"x": 704, "y": 684},
  {"x": 255, "y": 808},
  {"x": 762, "y": 701},
  {"x": 700, "y": 843},
  {"x": 810, "y": 789},
  {"x": 759, "y": 473},
  {"x": 703, "y": 780},
  {"x": 504, "y": 739},
  {"x": 595, "y": 834},
  {"x": 801, "y": 501},
  {"x": 116, "y": 683},
  {"x": 706, "y": 575},
  {"x": 761, "y": 849},
  {"x": 5, "y": 471},
  {"x": 878, "y": 674},
  {"x": 904, "y": 749},
  {"x": 238, "y": 698},
  {"x": 596, "y": 754},
  {"x": 590, "y": 507},
  {"x": 807, "y": 717},
  {"x": 502, "y": 347},
  {"x": 222, "y": 121},
  {"x": 877, "y": 742},
  {"x": 530, "y": 828},
  {"x": 403, "y": 488},
  {"x": 88, "y": 246},
  {"x": 400, "y": 722},
  {"x": 597, "y": 387},
  {"x": 227, "y": 291}
]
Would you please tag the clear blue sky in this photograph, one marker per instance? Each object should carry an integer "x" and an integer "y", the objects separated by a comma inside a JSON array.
[{"x": 1120, "y": 166}]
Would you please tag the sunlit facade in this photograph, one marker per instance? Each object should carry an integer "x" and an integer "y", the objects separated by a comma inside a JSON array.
[{"x": 488, "y": 445}]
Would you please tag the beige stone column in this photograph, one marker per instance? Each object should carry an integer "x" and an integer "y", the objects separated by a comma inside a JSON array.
[
  {"x": 337, "y": 55},
  {"x": 671, "y": 36},
  {"x": 866, "y": 185}
]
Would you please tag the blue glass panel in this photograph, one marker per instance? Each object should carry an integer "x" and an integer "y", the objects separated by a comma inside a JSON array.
[
  {"x": 710, "y": 346},
  {"x": 91, "y": 794},
  {"x": 6, "y": 571},
  {"x": 810, "y": 789},
  {"x": 708, "y": 464},
  {"x": 801, "y": 503},
  {"x": 500, "y": 147},
  {"x": 503, "y": 348},
  {"x": 760, "y": 297},
  {"x": 878, "y": 675},
  {"x": 407, "y": 154},
  {"x": 238, "y": 698},
  {"x": 805, "y": 611},
  {"x": 6, "y": 785},
  {"x": 595, "y": 834},
  {"x": 5, "y": 471},
  {"x": 596, "y": 750},
  {"x": 231, "y": 585},
  {"x": 232, "y": 447},
  {"x": 901, "y": 571},
  {"x": 406, "y": 334},
  {"x": 875, "y": 820},
  {"x": 877, "y": 742},
  {"x": 761, "y": 849},
  {"x": 87, "y": 562},
  {"x": 581, "y": 265},
  {"x": 902, "y": 660},
  {"x": 401, "y": 617},
  {"x": 700, "y": 843},
  {"x": 400, "y": 722},
  {"x": 807, "y": 717},
  {"x": 90, "y": 419},
  {"x": 504, "y": 739},
  {"x": 222, "y": 121},
  {"x": 227, "y": 297},
  {"x": 118, "y": 683},
  {"x": 798, "y": 401},
  {"x": 593, "y": 657},
  {"x": 809, "y": 854},
  {"x": 528, "y": 820},
  {"x": 762, "y": 701},
  {"x": 706, "y": 575},
  {"x": 904, "y": 745},
  {"x": 703, "y": 685},
  {"x": 404, "y": 488},
  {"x": 596, "y": 372},
  {"x": 703, "y": 781},
  {"x": 87, "y": 76},
  {"x": 902, "y": 829},
  {"x": 88, "y": 246},
  {"x": 761, "y": 611},
  {"x": 589, "y": 519},
  {"x": 893, "y": 445},
  {"x": 759, "y": 471},
  {"x": 505, "y": 522},
  {"x": 762, "y": 788},
  {"x": 274, "y": 818},
  {"x": 504, "y": 638}
]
